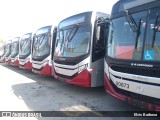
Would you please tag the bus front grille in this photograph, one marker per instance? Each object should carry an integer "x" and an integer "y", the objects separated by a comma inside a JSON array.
[{"x": 150, "y": 72}]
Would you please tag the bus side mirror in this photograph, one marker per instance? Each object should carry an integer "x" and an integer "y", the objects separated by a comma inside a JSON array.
[
  {"x": 100, "y": 35},
  {"x": 158, "y": 29}
]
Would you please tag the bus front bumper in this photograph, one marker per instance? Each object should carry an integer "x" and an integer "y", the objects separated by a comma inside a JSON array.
[
  {"x": 15, "y": 62},
  {"x": 83, "y": 79},
  {"x": 136, "y": 102},
  {"x": 26, "y": 66},
  {"x": 46, "y": 70}
]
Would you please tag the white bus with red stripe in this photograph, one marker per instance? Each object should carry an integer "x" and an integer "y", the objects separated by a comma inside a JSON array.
[
  {"x": 7, "y": 56},
  {"x": 80, "y": 48},
  {"x": 42, "y": 49},
  {"x": 25, "y": 51},
  {"x": 132, "y": 61},
  {"x": 2, "y": 52},
  {"x": 15, "y": 51}
]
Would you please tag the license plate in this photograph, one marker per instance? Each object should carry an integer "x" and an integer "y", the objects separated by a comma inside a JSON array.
[{"x": 122, "y": 85}]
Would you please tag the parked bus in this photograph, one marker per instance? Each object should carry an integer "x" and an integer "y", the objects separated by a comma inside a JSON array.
[
  {"x": 43, "y": 47},
  {"x": 80, "y": 49},
  {"x": 15, "y": 51},
  {"x": 25, "y": 51},
  {"x": 132, "y": 62},
  {"x": 2, "y": 52},
  {"x": 7, "y": 55}
]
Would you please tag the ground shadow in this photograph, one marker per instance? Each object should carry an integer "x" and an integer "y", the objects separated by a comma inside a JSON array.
[{"x": 48, "y": 94}]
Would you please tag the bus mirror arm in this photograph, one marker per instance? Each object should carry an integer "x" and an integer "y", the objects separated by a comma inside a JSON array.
[
  {"x": 102, "y": 21},
  {"x": 98, "y": 51}
]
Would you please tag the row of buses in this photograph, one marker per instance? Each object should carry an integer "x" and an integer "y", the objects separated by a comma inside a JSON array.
[{"x": 91, "y": 49}]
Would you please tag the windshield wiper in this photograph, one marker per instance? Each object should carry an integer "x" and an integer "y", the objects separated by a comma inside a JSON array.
[
  {"x": 131, "y": 21},
  {"x": 24, "y": 43},
  {"x": 138, "y": 33},
  {"x": 70, "y": 38},
  {"x": 72, "y": 32},
  {"x": 155, "y": 30},
  {"x": 38, "y": 41},
  {"x": 41, "y": 39},
  {"x": 62, "y": 42},
  {"x": 133, "y": 26}
]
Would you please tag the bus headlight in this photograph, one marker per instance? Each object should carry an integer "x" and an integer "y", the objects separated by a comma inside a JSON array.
[{"x": 83, "y": 67}]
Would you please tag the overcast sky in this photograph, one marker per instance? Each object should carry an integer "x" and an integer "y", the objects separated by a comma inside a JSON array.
[{"x": 18, "y": 17}]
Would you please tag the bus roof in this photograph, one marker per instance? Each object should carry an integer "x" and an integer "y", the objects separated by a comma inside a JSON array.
[
  {"x": 80, "y": 18},
  {"x": 122, "y": 5}
]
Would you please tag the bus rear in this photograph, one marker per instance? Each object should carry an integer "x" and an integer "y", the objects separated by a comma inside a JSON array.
[
  {"x": 80, "y": 47},
  {"x": 132, "y": 62},
  {"x": 42, "y": 48},
  {"x": 25, "y": 49},
  {"x": 15, "y": 52}
]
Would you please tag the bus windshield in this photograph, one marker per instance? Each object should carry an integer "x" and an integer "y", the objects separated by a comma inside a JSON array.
[
  {"x": 138, "y": 42},
  {"x": 2, "y": 50},
  {"x": 41, "y": 42},
  {"x": 73, "y": 42},
  {"x": 25, "y": 45},
  {"x": 7, "y": 50},
  {"x": 14, "y": 49}
]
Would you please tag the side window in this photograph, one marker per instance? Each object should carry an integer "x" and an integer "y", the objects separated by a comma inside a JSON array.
[
  {"x": 100, "y": 35},
  {"x": 152, "y": 42},
  {"x": 53, "y": 42}
]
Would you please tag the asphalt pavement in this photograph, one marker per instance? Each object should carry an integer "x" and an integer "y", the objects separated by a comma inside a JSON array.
[{"x": 22, "y": 90}]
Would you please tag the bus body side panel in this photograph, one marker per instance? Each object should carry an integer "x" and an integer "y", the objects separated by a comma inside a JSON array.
[
  {"x": 97, "y": 73},
  {"x": 3, "y": 59},
  {"x": 97, "y": 66},
  {"x": 92, "y": 76},
  {"x": 84, "y": 76},
  {"x": 52, "y": 48},
  {"x": 8, "y": 60},
  {"x": 25, "y": 64},
  {"x": 46, "y": 70},
  {"x": 78, "y": 74},
  {"x": 83, "y": 79},
  {"x": 15, "y": 61},
  {"x": 110, "y": 90},
  {"x": 42, "y": 67}
]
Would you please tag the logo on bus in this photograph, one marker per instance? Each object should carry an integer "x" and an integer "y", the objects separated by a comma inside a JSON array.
[
  {"x": 140, "y": 89},
  {"x": 141, "y": 65}
]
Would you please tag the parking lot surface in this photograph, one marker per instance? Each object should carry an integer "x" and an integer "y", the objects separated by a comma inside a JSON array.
[{"x": 22, "y": 90}]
